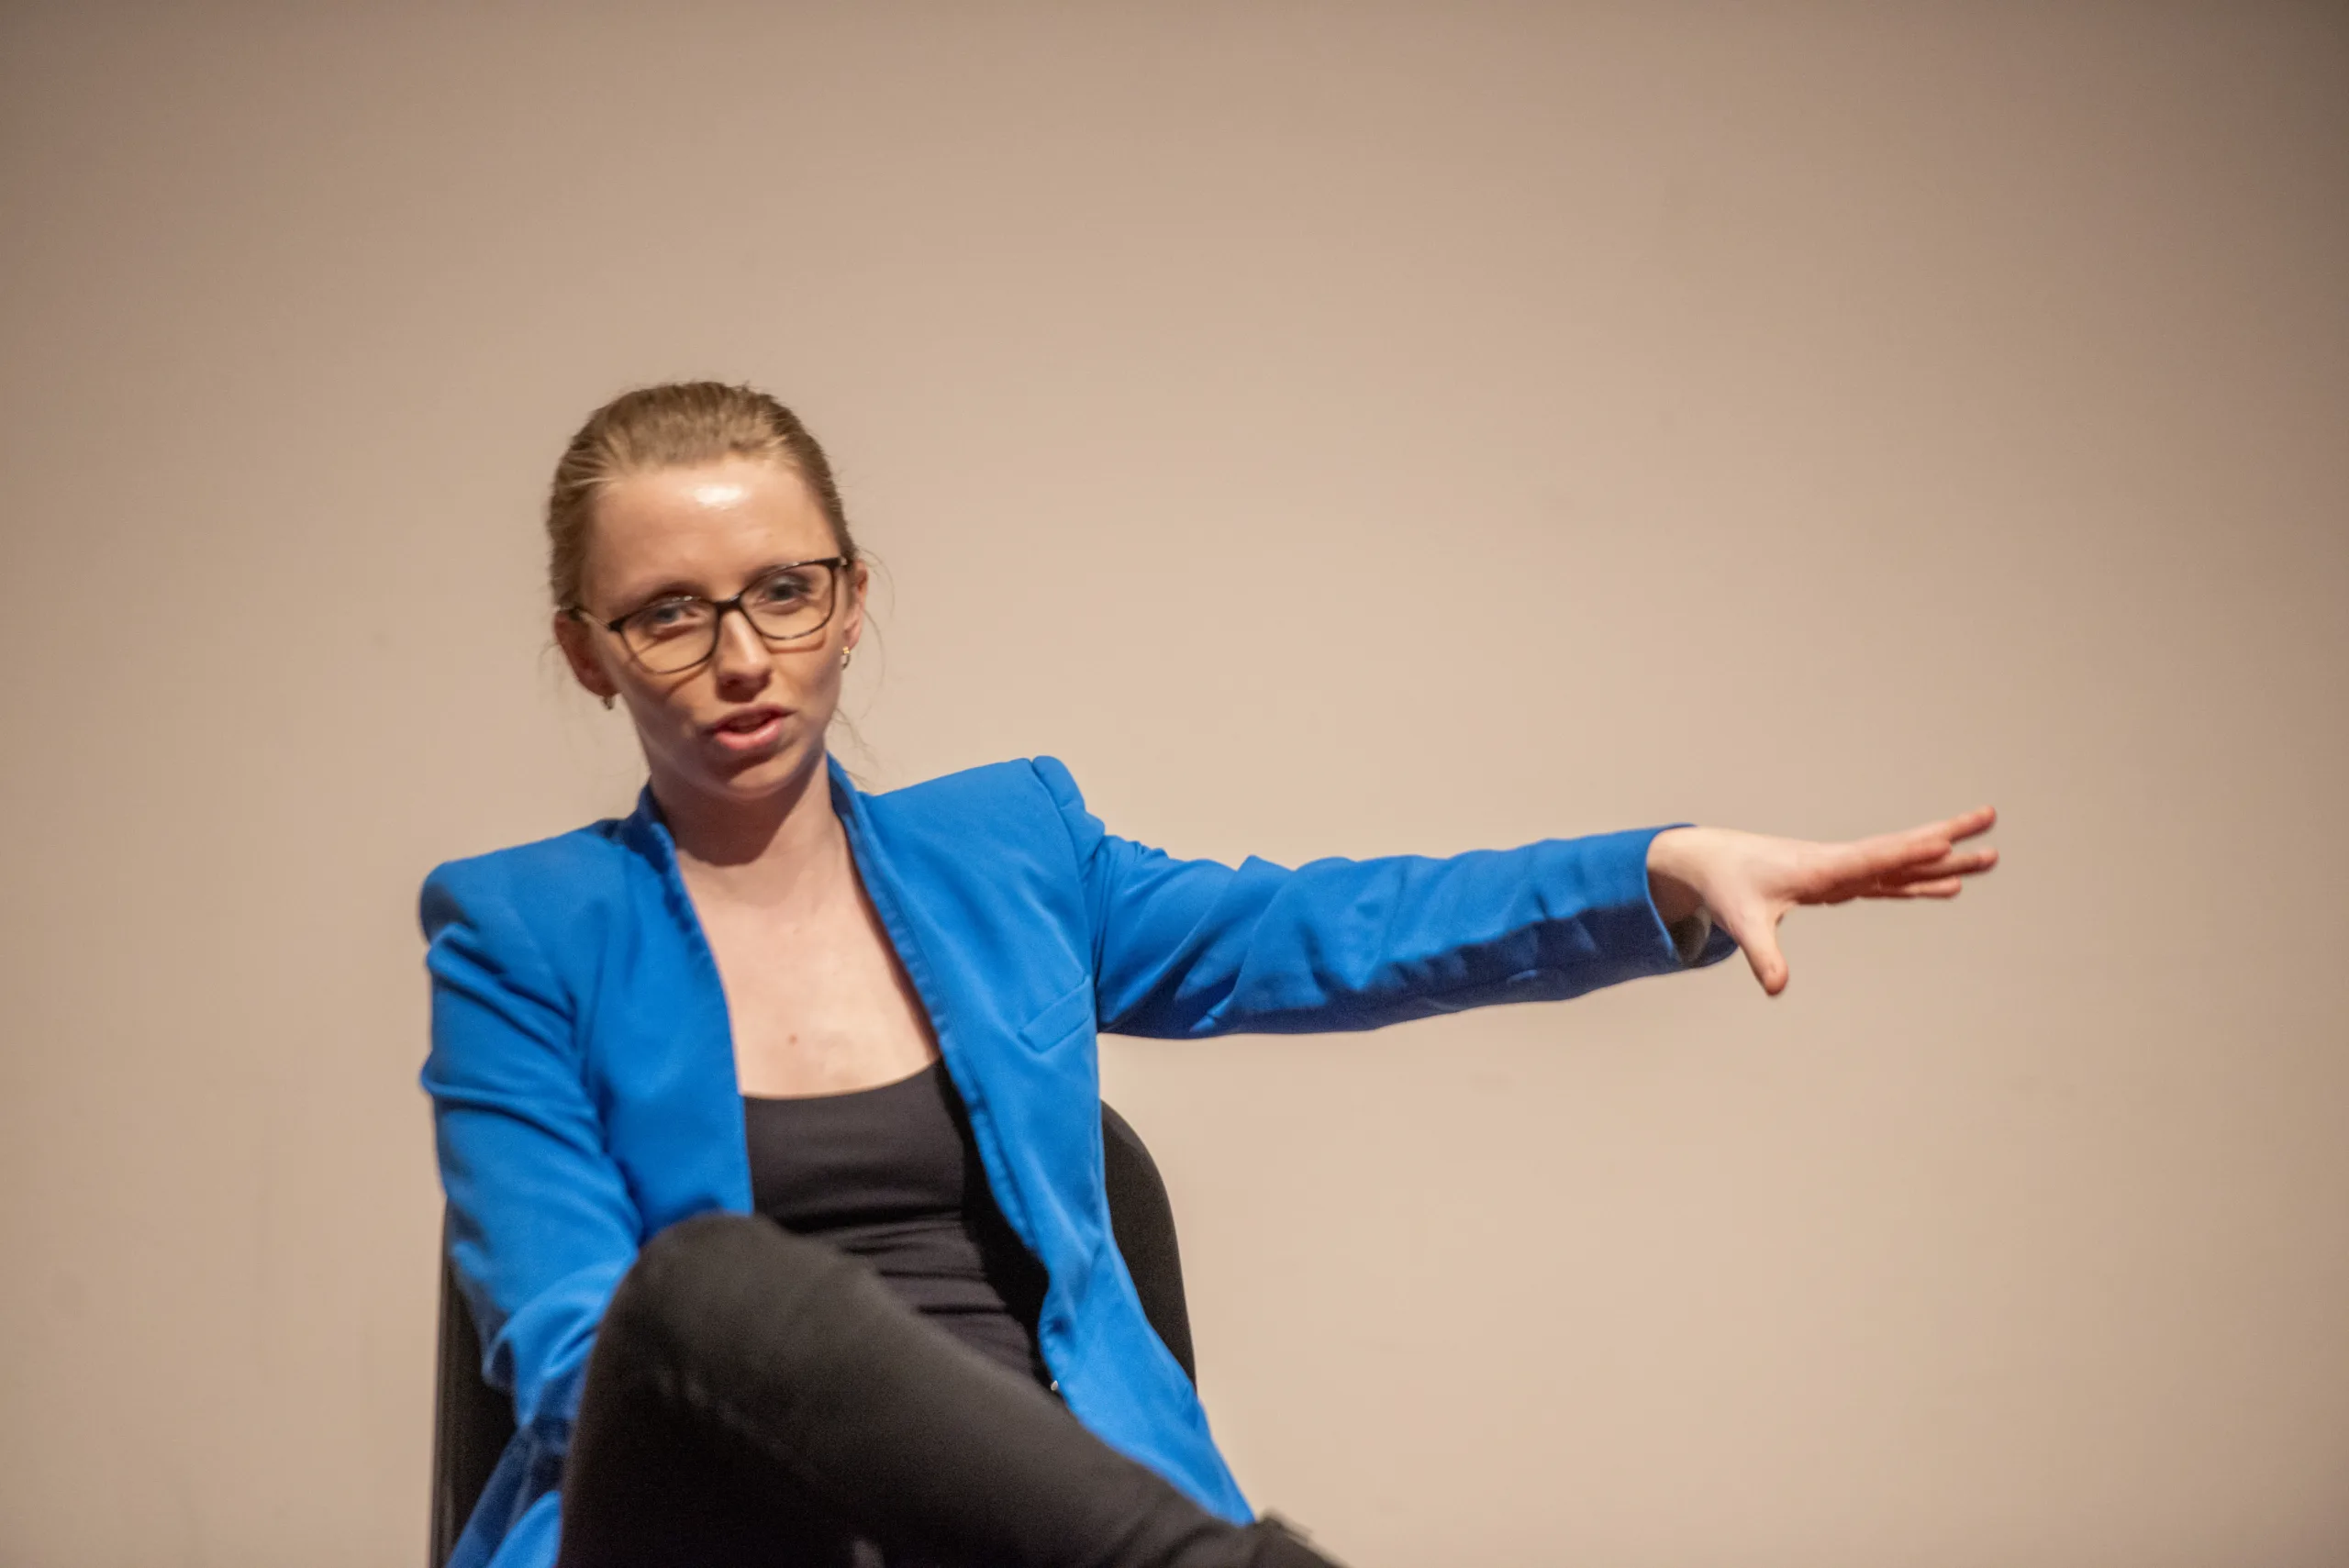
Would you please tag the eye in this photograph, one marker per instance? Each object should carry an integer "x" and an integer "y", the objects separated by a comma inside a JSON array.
[
  {"x": 783, "y": 590},
  {"x": 669, "y": 618}
]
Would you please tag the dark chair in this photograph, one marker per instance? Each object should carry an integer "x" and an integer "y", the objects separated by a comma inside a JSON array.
[{"x": 472, "y": 1421}]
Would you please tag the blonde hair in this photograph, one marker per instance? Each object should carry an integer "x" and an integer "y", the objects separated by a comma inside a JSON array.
[{"x": 677, "y": 424}]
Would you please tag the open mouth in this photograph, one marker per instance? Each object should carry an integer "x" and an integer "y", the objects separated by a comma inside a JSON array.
[{"x": 749, "y": 729}]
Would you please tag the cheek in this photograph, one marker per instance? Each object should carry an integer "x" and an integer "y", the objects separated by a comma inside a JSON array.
[
  {"x": 818, "y": 676},
  {"x": 664, "y": 704},
  {"x": 811, "y": 694}
]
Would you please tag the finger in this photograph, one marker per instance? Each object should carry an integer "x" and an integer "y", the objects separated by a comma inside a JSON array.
[
  {"x": 1957, "y": 862},
  {"x": 1935, "y": 879},
  {"x": 1966, "y": 824},
  {"x": 1904, "y": 886},
  {"x": 1867, "y": 865},
  {"x": 1756, "y": 932},
  {"x": 1832, "y": 873},
  {"x": 1891, "y": 851},
  {"x": 1910, "y": 842},
  {"x": 1941, "y": 838},
  {"x": 1851, "y": 871},
  {"x": 1945, "y": 888}
]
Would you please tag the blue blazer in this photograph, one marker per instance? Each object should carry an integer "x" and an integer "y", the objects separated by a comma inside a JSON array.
[{"x": 582, "y": 1070}]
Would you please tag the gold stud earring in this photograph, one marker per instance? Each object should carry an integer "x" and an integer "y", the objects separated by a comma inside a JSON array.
[{"x": 844, "y": 656}]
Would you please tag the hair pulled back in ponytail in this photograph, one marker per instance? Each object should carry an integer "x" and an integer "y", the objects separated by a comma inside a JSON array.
[{"x": 677, "y": 424}]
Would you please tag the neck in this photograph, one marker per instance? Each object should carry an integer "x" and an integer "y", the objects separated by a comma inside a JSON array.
[{"x": 755, "y": 842}]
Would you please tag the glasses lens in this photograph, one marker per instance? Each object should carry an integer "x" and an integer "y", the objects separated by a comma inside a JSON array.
[
  {"x": 672, "y": 635},
  {"x": 669, "y": 635},
  {"x": 792, "y": 602}
]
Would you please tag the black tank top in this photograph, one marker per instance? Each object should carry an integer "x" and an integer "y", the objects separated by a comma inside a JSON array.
[{"x": 891, "y": 1175}]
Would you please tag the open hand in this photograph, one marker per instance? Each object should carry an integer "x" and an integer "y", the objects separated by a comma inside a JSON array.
[{"x": 1748, "y": 881}]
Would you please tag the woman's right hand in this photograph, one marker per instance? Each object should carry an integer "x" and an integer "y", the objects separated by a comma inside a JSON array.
[{"x": 1747, "y": 881}]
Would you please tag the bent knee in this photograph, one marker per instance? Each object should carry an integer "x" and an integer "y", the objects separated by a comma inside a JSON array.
[
  {"x": 718, "y": 1271},
  {"x": 716, "y": 1239}
]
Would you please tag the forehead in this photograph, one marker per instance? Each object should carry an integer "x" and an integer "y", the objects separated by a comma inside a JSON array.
[{"x": 707, "y": 527}]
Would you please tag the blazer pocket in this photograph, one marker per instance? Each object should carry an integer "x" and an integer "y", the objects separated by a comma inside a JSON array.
[{"x": 1060, "y": 1021}]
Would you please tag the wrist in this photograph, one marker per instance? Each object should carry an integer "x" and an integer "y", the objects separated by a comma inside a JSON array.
[{"x": 1672, "y": 874}]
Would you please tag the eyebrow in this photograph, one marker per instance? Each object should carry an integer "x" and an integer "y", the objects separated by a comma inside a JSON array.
[{"x": 676, "y": 587}]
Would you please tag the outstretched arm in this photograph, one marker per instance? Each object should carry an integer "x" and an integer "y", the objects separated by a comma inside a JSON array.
[
  {"x": 1747, "y": 881},
  {"x": 1187, "y": 948}
]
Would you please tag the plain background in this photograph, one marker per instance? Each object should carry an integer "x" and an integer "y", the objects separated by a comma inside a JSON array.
[{"x": 1330, "y": 429}]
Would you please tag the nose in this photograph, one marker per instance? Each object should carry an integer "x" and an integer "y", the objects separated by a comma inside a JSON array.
[{"x": 741, "y": 659}]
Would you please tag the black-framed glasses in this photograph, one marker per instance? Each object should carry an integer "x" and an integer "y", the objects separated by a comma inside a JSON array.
[{"x": 677, "y": 631}]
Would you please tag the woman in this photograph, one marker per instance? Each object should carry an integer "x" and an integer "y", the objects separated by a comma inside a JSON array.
[{"x": 769, "y": 1116}]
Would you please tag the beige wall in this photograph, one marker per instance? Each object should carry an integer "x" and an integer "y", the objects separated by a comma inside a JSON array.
[{"x": 1330, "y": 429}]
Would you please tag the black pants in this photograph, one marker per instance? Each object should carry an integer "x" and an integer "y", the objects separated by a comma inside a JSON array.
[{"x": 755, "y": 1397}]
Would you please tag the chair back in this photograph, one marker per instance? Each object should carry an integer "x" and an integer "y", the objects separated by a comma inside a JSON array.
[
  {"x": 1141, "y": 1218},
  {"x": 473, "y": 1422}
]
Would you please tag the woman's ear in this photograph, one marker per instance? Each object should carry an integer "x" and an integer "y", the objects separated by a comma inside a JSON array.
[
  {"x": 579, "y": 652},
  {"x": 854, "y": 629}
]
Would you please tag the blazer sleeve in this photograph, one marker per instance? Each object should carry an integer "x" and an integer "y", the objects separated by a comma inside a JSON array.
[
  {"x": 1195, "y": 948},
  {"x": 541, "y": 1222}
]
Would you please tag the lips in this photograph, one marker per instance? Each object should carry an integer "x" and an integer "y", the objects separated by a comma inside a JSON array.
[{"x": 749, "y": 728}]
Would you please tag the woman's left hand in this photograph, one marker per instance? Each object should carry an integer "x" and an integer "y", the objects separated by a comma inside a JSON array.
[{"x": 1748, "y": 881}]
